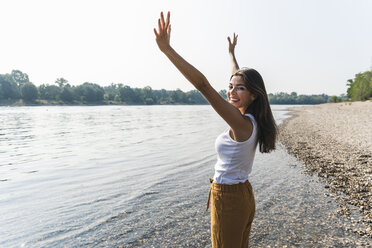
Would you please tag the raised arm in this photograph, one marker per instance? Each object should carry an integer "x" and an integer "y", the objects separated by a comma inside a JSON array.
[
  {"x": 228, "y": 112},
  {"x": 234, "y": 63},
  {"x": 163, "y": 41}
]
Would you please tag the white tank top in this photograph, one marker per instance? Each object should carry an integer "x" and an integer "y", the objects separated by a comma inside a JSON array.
[{"x": 234, "y": 159}]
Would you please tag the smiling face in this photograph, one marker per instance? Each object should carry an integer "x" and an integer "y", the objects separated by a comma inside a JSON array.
[{"x": 238, "y": 94}]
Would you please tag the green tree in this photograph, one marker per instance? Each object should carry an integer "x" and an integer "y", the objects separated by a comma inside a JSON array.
[
  {"x": 195, "y": 97},
  {"x": 361, "y": 89},
  {"x": 67, "y": 94},
  {"x": 19, "y": 77},
  {"x": 148, "y": 95},
  {"x": 111, "y": 91},
  {"x": 1, "y": 92},
  {"x": 49, "y": 92},
  {"x": 29, "y": 92},
  {"x": 89, "y": 92},
  {"x": 335, "y": 99},
  {"x": 9, "y": 88},
  {"x": 177, "y": 96},
  {"x": 162, "y": 96},
  {"x": 223, "y": 93},
  {"x": 138, "y": 96},
  {"x": 127, "y": 95},
  {"x": 61, "y": 82},
  {"x": 349, "y": 84}
]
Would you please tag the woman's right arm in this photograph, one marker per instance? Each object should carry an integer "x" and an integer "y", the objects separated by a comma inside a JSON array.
[
  {"x": 234, "y": 63},
  {"x": 241, "y": 127}
]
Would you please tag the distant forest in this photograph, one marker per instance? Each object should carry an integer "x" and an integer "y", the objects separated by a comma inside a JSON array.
[{"x": 15, "y": 88}]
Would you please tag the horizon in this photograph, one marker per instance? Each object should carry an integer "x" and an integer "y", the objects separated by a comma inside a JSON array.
[{"x": 309, "y": 48}]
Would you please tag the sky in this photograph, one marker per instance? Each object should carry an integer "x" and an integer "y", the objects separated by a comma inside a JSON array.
[{"x": 306, "y": 46}]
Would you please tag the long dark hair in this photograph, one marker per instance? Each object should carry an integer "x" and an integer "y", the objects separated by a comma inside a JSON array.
[{"x": 260, "y": 109}]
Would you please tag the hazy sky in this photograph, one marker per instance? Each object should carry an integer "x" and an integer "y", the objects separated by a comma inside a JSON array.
[{"x": 310, "y": 47}]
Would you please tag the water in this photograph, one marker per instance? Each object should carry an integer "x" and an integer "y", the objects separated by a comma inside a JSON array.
[{"x": 137, "y": 176}]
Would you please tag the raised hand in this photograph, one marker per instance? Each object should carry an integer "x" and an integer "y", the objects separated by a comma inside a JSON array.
[
  {"x": 163, "y": 34},
  {"x": 234, "y": 63},
  {"x": 232, "y": 44}
]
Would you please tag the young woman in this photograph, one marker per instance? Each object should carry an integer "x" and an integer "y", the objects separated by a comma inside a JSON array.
[{"x": 248, "y": 115}]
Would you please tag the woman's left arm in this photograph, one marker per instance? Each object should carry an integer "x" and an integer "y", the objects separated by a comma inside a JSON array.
[{"x": 233, "y": 61}]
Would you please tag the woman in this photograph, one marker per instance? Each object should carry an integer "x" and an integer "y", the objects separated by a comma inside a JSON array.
[{"x": 248, "y": 115}]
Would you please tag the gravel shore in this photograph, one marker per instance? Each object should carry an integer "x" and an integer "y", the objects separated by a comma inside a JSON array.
[{"x": 334, "y": 141}]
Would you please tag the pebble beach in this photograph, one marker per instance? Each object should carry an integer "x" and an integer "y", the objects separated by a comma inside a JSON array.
[{"x": 334, "y": 142}]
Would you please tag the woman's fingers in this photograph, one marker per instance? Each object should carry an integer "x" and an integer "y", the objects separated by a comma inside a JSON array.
[
  {"x": 159, "y": 25},
  {"x": 233, "y": 43},
  {"x": 235, "y": 39},
  {"x": 162, "y": 20},
  {"x": 163, "y": 32},
  {"x": 163, "y": 25},
  {"x": 168, "y": 20},
  {"x": 156, "y": 33}
]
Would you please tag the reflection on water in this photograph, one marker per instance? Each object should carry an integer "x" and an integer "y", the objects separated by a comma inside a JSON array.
[{"x": 129, "y": 175}]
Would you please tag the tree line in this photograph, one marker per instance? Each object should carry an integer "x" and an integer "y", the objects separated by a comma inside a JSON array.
[
  {"x": 293, "y": 98},
  {"x": 360, "y": 88},
  {"x": 16, "y": 86}
]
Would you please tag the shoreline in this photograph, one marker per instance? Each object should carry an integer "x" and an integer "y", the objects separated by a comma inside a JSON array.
[
  {"x": 41, "y": 103},
  {"x": 331, "y": 143},
  {"x": 103, "y": 103}
]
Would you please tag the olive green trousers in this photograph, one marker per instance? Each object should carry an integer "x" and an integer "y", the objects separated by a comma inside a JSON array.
[{"x": 232, "y": 212}]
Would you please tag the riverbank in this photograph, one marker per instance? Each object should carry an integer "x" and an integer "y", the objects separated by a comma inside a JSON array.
[{"x": 334, "y": 141}]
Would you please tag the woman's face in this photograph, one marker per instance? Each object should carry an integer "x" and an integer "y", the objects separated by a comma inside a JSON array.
[{"x": 238, "y": 94}]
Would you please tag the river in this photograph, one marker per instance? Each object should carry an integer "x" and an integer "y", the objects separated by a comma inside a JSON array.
[{"x": 137, "y": 176}]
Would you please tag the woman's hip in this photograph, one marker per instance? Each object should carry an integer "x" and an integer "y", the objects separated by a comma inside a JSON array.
[{"x": 236, "y": 198}]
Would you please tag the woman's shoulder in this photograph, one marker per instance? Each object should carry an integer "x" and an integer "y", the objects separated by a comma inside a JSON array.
[
  {"x": 253, "y": 122},
  {"x": 251, "y": 118}
]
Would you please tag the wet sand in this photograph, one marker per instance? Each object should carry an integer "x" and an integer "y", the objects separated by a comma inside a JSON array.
[{"x": 334, "y": 141}]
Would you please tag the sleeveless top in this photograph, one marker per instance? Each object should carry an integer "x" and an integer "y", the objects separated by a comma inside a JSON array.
[{"x": 235, "y": 159}]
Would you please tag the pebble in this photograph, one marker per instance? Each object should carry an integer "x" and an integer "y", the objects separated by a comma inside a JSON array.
[{"x": 346, "y": 167}]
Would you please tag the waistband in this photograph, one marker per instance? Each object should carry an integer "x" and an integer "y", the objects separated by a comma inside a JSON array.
[
  {"x": 229, "y": 188},
  {"x": 225, "y": 188}
]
